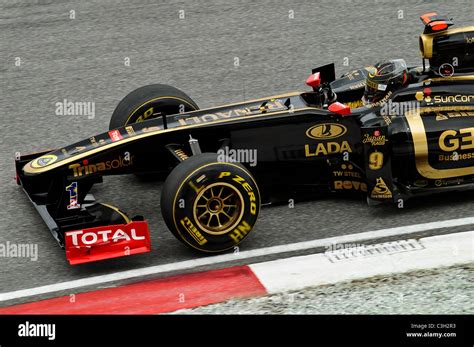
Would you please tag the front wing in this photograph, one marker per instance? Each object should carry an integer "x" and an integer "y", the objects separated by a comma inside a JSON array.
[{"x": 89, "y": 231}]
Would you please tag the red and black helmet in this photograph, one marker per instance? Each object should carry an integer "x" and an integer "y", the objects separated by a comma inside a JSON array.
[{"x": 384, "y": 78}]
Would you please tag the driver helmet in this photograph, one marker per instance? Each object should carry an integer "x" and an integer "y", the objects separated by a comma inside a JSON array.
[{"x": 383, "y": 79}]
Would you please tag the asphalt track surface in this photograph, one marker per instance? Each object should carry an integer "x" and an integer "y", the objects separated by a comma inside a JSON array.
[{"x": 82, "y": 59}]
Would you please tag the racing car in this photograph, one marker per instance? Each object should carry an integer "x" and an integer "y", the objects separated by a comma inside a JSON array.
[{"x": 387, "y": 132}]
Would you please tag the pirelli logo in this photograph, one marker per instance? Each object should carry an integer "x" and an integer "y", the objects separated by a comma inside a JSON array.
[{"x": 192, "y": 230}]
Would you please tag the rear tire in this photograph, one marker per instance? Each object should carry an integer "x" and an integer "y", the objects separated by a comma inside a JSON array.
[
  {"x": 146, "y": 102},
  {"x": 149, "y": 102},
  {"x": 209, "y": 205}
]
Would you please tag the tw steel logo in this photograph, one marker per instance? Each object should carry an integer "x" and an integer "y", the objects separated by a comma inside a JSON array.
[
  {"x": 326, "y": 131},
  {"x": 81, "y": 238}
]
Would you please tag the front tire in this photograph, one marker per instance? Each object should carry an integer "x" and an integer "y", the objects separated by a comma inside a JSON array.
[{"x": 209, "y": 205}]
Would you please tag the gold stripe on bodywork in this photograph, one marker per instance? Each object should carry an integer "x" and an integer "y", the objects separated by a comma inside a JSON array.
[
  {"x": 31, "y": 170},
  {"x": 451, "y": 78},
  {"x": 420, "y": 144},
  {"x": 279, "y": 96}
]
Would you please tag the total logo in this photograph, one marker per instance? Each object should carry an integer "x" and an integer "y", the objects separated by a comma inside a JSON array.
[
  {"x": 81, "y": 238},
  {"x": 84, "y": 168}
]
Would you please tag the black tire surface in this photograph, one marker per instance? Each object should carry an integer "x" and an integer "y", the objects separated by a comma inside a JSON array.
[
  {"x": 161, "y": 97},
  {"x": 177, "y": 189}
]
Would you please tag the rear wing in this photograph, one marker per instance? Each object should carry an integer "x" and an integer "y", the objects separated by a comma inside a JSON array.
[{"x": 434, "y": 22}]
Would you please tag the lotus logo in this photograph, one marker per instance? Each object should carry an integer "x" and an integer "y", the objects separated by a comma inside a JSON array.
[
  {"x": 44, "y": 160},
  {"x": 326, "y": 131}
]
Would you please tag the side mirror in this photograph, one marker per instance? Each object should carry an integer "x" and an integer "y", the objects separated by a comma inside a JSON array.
[
  {"x": 337, "y": 107},
  {"x": 314, "y": 80}
]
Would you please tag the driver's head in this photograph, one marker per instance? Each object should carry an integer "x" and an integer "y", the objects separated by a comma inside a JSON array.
[{"x": 384, "y": 78}]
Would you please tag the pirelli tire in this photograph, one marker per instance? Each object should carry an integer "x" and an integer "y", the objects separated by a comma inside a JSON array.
[
  {"x": 209, "y": 205},
  {"x": 149, "y": 102}
]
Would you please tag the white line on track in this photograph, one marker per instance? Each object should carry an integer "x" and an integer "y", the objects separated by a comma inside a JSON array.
[
  {"x": 316, "y": 269},
  {"x": 194, "y": 263}
]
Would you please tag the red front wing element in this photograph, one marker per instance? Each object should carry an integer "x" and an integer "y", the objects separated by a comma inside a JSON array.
[{"x": 105, "y": 242}]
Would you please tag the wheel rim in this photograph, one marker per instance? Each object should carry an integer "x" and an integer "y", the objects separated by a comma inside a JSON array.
[{"x": 218, "y": 208}]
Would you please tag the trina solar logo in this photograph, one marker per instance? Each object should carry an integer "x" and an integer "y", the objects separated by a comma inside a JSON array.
[{"x": 86, "y": 169}]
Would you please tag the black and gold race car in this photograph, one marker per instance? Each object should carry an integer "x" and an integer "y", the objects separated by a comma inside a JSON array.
[{"x": 386, "y": 132}]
